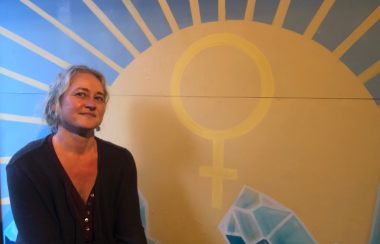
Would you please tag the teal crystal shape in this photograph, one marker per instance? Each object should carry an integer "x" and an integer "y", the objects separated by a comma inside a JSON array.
[
  {"x": 247, "y": 199},
  {"x": 144, "y": 217},
  {"x": 255, "y": 218},
  {"x": 292, "y": 232},
  {"x": 248, "y": 226},
  {"x": 269, "y": 218},
  {"x": 10, "y": 233}
]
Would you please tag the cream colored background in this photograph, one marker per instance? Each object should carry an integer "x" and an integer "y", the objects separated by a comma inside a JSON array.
[{"x": 315, "y": 151}]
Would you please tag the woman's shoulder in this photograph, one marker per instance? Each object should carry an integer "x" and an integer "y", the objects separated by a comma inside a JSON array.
[
  {"x": 33, "y": 148},
  {"x": 113, "y": 153},
  {"x": 110, "y": 146}
]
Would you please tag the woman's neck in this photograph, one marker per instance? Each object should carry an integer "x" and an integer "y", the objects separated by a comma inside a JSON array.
[{"x": 73, "y": 143}]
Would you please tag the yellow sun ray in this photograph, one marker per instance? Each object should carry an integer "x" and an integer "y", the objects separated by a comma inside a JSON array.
[
  {"x": 195, "y": 14},
  {"x": 370, "y": 72},
  {"x": 24, "y": 79},
  {"x": 73, "y": 35},
  {"x": 281, "y": 13},
  {"x": 318, "y": 18},
  {"x": 250, "y": 9},
  {"x": 23, "y": 119},
  {"x": 34, "y": 48},
  {"x": 139, "y": 20},
  {"x": 4, "y": 160},
  {"x": 169, "y": 15},
  {"x": 221, "y": 10},
  {"x": 111, "y": 27},
  {"x": 357, "y": 33}
]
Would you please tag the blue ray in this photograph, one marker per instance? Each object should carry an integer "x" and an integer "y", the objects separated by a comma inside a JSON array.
[
  {"x": 300, "y": 13},
  {"x": 151, "y": 12},
  {"x": 265, "y": 10},
  {"x": 120, "y": 17},
  {"x": 3, "y": 181},
  {"x": 208, "y": 10},
  {"x": 373, "y": 86},
  {"x": 375, "y": 235},
  {"x": 10, "y": 85},
  {"x": 21, "y": 20},
  {"x": 22, "y": 104},
  {"x": 235, "y": 9},
  {"x": 182, "y": 12},
  {"x": 76, "y": 16},
  {"x": 15, "y": 135},
  {"x": 342, "y": 20},
  {"x": 7, "y": 217},
  {"x": 365, "y": 52},
  {"x": 25, "y": 62}
]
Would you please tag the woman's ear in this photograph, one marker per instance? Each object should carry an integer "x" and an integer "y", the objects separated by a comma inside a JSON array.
[{"x": 55, "y": 108}]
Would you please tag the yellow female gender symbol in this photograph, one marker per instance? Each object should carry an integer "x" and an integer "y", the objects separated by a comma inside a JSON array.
[{"x": 218, "y": 172}]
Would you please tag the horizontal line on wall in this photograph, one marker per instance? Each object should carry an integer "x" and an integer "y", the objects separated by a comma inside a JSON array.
[
  {"x": 232, "y": 97},
  {"x": 248, "y": 97}
]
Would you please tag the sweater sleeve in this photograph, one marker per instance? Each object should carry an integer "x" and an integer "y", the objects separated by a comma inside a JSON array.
[
  {"x": 34, "y": 222},
  {"x": 129, "y": 228}
]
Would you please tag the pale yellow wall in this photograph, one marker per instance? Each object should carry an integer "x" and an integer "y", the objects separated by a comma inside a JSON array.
[{"x": 308, "y": 142}]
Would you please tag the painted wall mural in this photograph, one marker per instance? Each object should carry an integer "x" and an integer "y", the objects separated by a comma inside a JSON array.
[
  {"x": 251, "y": 121},
  {"x": 256, "y": 218}
]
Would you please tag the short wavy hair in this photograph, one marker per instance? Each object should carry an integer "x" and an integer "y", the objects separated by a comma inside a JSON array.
[{"x": 60, "y": 85}]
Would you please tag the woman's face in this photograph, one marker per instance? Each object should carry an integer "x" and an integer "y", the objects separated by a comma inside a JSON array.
[{"x": 82, "y": 104}]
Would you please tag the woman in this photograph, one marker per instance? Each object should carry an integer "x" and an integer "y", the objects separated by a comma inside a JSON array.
[{"x": 72, "y": 187}]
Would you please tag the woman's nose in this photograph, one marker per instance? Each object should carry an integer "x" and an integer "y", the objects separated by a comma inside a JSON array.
[
  {"x": 90, "y": 104},
  {"x": 91, "y": 107}
]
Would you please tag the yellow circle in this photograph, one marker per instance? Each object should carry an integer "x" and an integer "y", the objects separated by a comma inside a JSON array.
[{"x": 267, "y": 85}]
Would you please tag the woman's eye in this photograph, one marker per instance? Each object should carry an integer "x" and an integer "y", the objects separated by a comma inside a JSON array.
[
  {"x": 80, "y": 94},
  {"x": 99, "y": 98}
]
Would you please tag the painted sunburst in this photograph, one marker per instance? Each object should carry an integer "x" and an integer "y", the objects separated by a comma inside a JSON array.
[{"x": 323, "y": 50}]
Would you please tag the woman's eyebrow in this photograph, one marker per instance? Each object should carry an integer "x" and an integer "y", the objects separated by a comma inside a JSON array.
[
  {"x": 101, "y": 93},
  {"x": 81, "y": 88},
  {"x": 87, "y": 90}
]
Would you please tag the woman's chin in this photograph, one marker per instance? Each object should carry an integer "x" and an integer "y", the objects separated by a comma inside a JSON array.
[{"x": 82, "y": 130}]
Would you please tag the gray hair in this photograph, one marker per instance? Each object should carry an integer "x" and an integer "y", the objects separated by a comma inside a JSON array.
[{"x": 60, "y": 85}]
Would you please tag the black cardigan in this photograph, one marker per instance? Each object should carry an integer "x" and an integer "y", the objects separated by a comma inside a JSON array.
[{"x": 43, "y": 212}]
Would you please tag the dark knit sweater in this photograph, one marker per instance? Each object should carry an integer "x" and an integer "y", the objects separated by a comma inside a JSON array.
[{"x": 44, "y": 212}]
